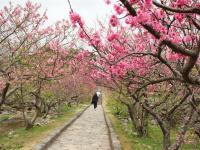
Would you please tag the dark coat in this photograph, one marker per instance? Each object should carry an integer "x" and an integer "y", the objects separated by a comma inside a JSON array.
[{"x": 95, "y": 99}]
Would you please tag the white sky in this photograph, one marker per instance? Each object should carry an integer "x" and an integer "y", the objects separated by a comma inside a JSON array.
[{"x": 90, "y": 10}]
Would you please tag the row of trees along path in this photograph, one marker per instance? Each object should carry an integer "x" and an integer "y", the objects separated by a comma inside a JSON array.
[{"x": 148, "y": 54}]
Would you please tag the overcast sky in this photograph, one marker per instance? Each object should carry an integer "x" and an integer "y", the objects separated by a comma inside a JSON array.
[{"x": 90, "y": 10}]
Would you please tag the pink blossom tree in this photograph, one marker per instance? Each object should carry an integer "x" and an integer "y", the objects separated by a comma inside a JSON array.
[
  {"x": 161, "y": 48},
  {"x": 34, "y": 57}
]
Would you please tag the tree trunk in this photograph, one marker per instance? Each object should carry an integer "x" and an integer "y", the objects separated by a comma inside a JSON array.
[
  {"x": 145, "y": 122},
  {"x": 181, "y": 134},
  {"x": 47, "y": 109},
  {"x": 30, "y": 122},
  {"x": 138, "y": 121},
  {"x": 166, "y": 140},
  {"x": 3, "y": 97},
  {"x": 164, "y": 125}
]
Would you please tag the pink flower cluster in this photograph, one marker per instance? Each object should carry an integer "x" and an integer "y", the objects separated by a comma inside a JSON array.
[
  {"x": 95, "y": 39},
  {"x": 114, "y": 21},
  {"x": 142, "y": 17},
  {"x": 112, "y": 36},
  {"x": 54, "y": 45},
  {"x": 107, "y": 2},
  {"x": 174, "y": 56},
  {"x": 119, "y": 10},
  {"x": 16, "y": 11},
  {"x": 133, "y": 1},
  {"x": 75, "y": 18},
  {"x": 182, "y": 2},
  {"x": 148, "y": 3},
  {"x": 81, "y": 55},
  {"x": 132, "y": 21},
  {"x": 81, "y": 34},
  {"x": 179, "y": 17}
]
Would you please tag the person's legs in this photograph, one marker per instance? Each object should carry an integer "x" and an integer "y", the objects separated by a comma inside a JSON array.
[{"x": 95, "y": 105}]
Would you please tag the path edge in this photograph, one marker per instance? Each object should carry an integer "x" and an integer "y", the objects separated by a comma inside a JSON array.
[
  {"x": 56, "y": 133},
  {"x": 113, "y": 138}
]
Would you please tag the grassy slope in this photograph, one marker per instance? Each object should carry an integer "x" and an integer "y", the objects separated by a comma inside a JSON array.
[
  {"x": 130, "y": 141},
  {"x": 25, "y": 139}
]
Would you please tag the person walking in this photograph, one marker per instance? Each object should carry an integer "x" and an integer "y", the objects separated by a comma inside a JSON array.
[{"x": 95, "y": 99}]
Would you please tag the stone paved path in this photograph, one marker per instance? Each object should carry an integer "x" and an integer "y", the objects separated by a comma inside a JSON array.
[{"x": 89, "y": 132}]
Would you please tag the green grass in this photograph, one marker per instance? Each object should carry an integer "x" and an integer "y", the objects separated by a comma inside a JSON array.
[
  {"x": 129, "y": 139},
  {"x": 25, "y": 139}
]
